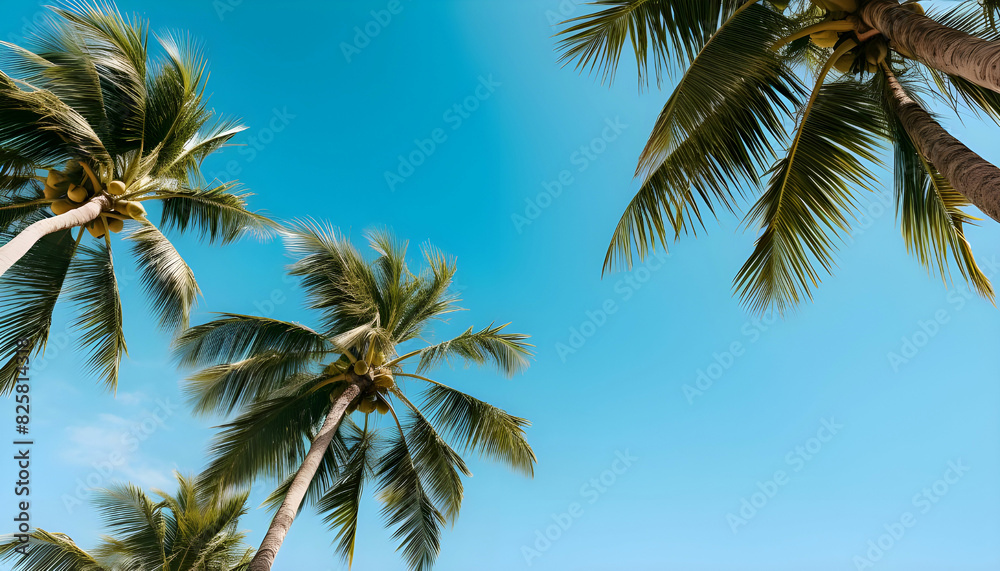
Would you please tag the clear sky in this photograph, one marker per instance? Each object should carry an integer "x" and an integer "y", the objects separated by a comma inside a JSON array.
[{"x": 808, "y": 418}]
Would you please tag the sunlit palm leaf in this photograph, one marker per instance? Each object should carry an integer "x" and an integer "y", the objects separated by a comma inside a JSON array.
[
  {"x": 342, "y": 499},
  {"x": 439, "y": 466},
  {"x": 28, "y": 294},
  {"x": 165, "y": 276},
  {"x": 407, "y": 507},
  {"x": 219, "y": 214},
  {"x": 480, "y": 427},
  {"x": 810, "y": 195},
  {"x": 508, "y": 351},
  {"x": 226, "y": 387},
  {"x": 48, "y": 551},
  {"x": 94, "y": 290},
  {"x": 235, "y": 337}
]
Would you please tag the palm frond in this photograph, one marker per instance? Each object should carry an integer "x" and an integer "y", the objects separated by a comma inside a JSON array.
[
  {"x": 810, "y": 194},
  {"x": 165, "y": 276},
  {"x": 138, "y": 521},
  {"x": 94, "y": 290},
  {"x": 224, "y": 388},
  {"x": 508, "y": 351},
  {"x": 662, "y": 32},
  {"x": 714, "y": 134},
  {"x": 439, "y": 466},
  {"x": 48, "y": 551},
  {"x": 235, "y": 337},
  {"x": 407, "y": 505},
  {"x": 342, "y": 500},
  {"x": 480, "y": 427},
  {"x": 28, "y": 295},
  {"x": 219, "y": 214}
]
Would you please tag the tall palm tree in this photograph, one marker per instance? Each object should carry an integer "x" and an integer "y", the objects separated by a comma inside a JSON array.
[
  {"x": 829, "y": 80},
  {"x": 186, "y": 531},
  {"x": 113, "y": 129},
  {"x": 295, "y": 389}
]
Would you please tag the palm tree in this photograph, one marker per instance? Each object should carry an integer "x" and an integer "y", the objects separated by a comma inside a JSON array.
[
  {"x": 186, "y": 531},
  {"x": 741, "y": 91},
  {"x": 113, "y": 129},
  {"x": 295, "y": 389}
]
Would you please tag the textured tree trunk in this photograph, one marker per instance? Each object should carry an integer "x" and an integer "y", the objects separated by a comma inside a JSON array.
[
  {"x": 264, "y": 558},
  {"x": 970, "y": 174},
  {"x": 14, "y": 250},
  {"x": 940, "y": 47}
]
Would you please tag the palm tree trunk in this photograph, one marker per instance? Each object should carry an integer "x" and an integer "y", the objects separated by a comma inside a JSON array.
[
  {"x": 970, "y": 174},
  {"x": 14, "y": 250},
  {"x": 940, "y": 47},
  {"x": 282, "y": 521}
]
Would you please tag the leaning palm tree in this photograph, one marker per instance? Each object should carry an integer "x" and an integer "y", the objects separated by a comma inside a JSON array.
[
  {"x": 186, "y": 531},
  {"x": 109, "y": 128},
  {"x": 829, "y": 80},
  {"x": 295, "y": 390}
]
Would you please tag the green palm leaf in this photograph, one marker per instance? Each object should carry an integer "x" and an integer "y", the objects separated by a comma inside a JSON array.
[
  {"x": 95, "y": 292},
  {"x": 480, "y": 427},
  {"x": 809, "y": 194},
  {"x": 165, "y": 276},
  {"x": 219, "y": 213},
  {"x": 342, "y": 499},
  {"x": 507, "y": 351},
  {"x": 407, "y": 506},
  {"x": 49, "y": 551},
  {"x": 236, "y": 337},
  {"x": 28, "y": 295}
]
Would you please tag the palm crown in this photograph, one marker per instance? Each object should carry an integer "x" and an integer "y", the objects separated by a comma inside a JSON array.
[
  {"x": 185, "y": 531},
  {"x": 114, "y": 129},
  {"x": 757, "y": 75},
  {"x": 293, "y": 385}
]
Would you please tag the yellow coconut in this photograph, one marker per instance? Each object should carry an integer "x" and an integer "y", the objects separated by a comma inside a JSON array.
[
  {"x": 115, "y": 225},
  {"x": 131, "y": 208},
  {"x": 96, "y": 228},
  {"x": 875, "y": 52},
  {"x": 914, "y": 7},
  {"x": 77, "y": 194},
  {"x": 378, "y": 359},
  {"x": 382, "y": 407},
  {"x": 360, "y": 367},
  {"x": 62, "y": 207},
  {"x": 52, "y": 192},
  {"x": 116, "y": 188},
  {"x": 383, "y": 381},
  {"x": 845, "y": 62},
  {"x": 825, "y": 39},
  {"x": 367, "y": 405}
]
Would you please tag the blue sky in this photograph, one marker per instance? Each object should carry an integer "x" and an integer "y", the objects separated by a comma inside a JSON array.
[{"x": 807, "y": 417}]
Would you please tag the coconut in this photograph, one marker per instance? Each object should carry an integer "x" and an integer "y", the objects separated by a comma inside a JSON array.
[
  {"x": 366, "y": 405},
  {"x": 55, "y": 178},
  {"x": 62, "y": 207},
  {"x": 382, "y": 407},
  {"x": 378, "y": 359},
  {"x": 96, "y": 228},
  {"x": 825, "y": 39},
  {"x": 115, "y": 225},
  {"x": 845, "y": 63},
  {"x": 131, "y": 209},
  {"x": 77, "y": 194},
  {"x": 875, "y": 52},
  {"x": 360, "y": 367},
  {"x": 116, "y": 188},
  {"x": 383, "y": 381},
  {"x": 914, "y": 7},
  {"x": 51, "y": 192}
]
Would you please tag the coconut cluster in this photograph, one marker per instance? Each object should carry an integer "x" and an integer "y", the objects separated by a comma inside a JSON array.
[
  {"x": 865, "y": 57},
  {"x": 374, "y": 400},
  {"x": 71, "y": 188}
]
